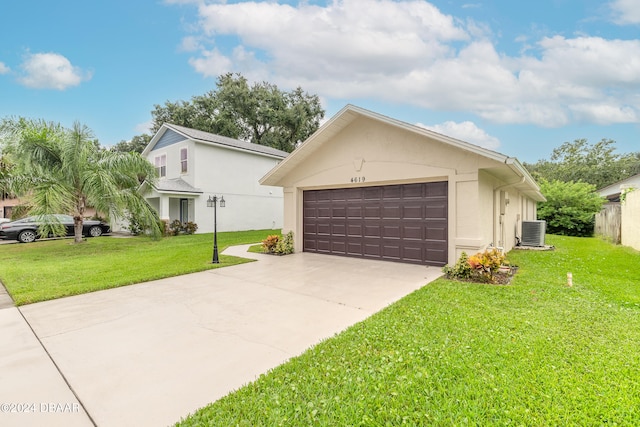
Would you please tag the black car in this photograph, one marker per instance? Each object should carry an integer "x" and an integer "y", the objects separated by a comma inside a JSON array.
[{"x": 25, "y": 230}]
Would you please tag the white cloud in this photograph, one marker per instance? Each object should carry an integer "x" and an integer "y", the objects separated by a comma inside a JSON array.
[
  {"x": 626, "y": 11},
  {"x": 211, "y": 64},
  {"x": 144, "y": 127},
  {"x": 466, "y": 131},
  {"x": 51, "y": 71},
  {"x": 3, "y": 68},
  {"x": 410, "y": 52}
]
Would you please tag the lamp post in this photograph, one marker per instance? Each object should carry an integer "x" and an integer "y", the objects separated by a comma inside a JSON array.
[{"x": 212, "y": 202}]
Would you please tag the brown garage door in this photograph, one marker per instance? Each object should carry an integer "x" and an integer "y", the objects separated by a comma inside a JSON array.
[{"x": 404, "y": 223}]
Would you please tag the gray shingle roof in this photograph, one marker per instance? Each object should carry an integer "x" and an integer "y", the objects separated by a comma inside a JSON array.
[
  {"x": 199, "y": 135},
  {"x": 176, "y": 185}
]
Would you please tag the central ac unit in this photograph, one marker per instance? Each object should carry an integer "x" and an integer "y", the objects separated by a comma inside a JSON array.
[{"x": 533, "y": 233}]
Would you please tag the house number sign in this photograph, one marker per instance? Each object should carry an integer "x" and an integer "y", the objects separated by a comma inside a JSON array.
[{"x": 357, "y": 179}]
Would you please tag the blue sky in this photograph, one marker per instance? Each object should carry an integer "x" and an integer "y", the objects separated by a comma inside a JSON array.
[{"x": 519, "y": 77}]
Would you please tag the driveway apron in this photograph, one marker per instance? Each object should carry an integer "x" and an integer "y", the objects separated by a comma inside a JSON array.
[{"x": 150, "y": 354}]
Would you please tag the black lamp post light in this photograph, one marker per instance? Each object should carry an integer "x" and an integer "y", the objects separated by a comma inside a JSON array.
[{"x": 212, "y": 202}]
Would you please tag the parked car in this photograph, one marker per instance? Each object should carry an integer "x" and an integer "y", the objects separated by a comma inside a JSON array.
[
  {"x": 25, "y": 230},
  {"x": 2, "y": 220}
]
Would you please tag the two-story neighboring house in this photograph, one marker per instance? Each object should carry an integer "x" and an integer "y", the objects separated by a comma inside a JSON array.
[{"x": 194, "y": 165}]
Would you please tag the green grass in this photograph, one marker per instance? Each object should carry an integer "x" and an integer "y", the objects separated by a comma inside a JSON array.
[
  {"x": 533, "y": 353},
  {"x": 57, "y": 268}
]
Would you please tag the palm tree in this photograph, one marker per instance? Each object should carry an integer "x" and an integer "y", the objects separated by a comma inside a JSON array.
[{"x": 66, "y": 170}]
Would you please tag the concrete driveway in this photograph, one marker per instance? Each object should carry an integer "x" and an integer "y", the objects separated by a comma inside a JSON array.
[{"x": 149, "y": 354}]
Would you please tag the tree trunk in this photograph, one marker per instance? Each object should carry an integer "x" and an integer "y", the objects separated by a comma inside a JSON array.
[{"x": 77, "y": 229}]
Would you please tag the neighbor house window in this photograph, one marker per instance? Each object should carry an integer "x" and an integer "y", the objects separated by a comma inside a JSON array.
[
  {"x": 161, "y": 165},
  {"x": 183, "y": 160}
]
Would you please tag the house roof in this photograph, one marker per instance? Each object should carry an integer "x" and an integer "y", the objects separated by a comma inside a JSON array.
[
  {"x": 210, "y": 138},
  {"x": 511, "y": 170},
  {"x": 174, "y": 186},
  {"x": 613, "y": 191}
]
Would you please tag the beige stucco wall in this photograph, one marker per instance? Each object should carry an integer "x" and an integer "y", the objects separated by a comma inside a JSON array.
[
  {"x": 630, "y": 221},
  {"x": 369, "y": 152}
]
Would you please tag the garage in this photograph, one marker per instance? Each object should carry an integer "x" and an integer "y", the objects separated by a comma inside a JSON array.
[
  {"x": 402, "y": 223},
  {"x": 373, "y": 187}
]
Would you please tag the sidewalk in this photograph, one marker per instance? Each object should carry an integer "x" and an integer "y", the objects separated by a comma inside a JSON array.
[{"x": 32, "y": 391}]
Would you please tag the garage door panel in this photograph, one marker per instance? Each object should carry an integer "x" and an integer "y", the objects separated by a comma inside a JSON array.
[
  {"x": 372, "y": 212},
  {"x": 414, "y": 254},
  {"x": 323, "y": 246},
  {"x": 435, "y": 215},
  {"x": 391, "y": 212},
  {"x": 437, "y": 189},
  {"x": 338, "y": 230},
  {"x": 412, "y": 211},
  {"x": 372, "y": 231},
  {"x": 391, "y": 252},
  {"x": 372, "y": 251},
  {"x": 323, "y": 212},
  {"x": 412, "y": 232},
  {"x": 354, "y": 248},
  {"x": 354, "y": 230},
  {"x": 392, "y": 192},
  {"x": 354, "y": 212},
  {"x": 413, "y": 191},
  {"x": 436, "y": 234},
  {"x": 371, "y": 193},
  {"x": 339, "y": 212},
  {"x": 339, "y": 247},
  {"x": 323, "y": 228},
  {"x": 391, "y": 232},
  {"x": 406, "y": 223}
]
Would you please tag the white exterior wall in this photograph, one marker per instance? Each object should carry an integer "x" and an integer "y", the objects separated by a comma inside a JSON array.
[
  {"x": 235, "y": 176},
  {"x": 227, "y": 172}
]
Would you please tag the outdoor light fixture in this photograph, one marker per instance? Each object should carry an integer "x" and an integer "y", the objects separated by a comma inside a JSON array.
[{"x": 212, "y": 202}]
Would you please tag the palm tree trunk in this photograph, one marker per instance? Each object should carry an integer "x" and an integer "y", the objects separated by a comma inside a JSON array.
[{"x": 77, "y": 229}]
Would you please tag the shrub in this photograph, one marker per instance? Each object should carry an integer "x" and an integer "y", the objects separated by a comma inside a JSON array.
[
  {"x": 190, "y": 227},
  {"x": 486, "y": 263},
  {"x": 275, "y": 244},
  {"x": 269, "y": 244},
  {"x": 284, "y": 246},
  {"x": 570, "y": 208},
  {"x": 461, "y": 270},
  {"x": 479, "y": 267},
  {"x": 138, "y": 225},
  {"x": 176, "y": 227}
]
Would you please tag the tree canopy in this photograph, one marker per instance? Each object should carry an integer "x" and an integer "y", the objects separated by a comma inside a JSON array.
[
  {"x": 137, "y": 144},
  {"x": 570, "y": 207},
  {"x": 260, "y": 113},
  {"x": 61, "y": 170},
  {"x": 597, "y": 164}
]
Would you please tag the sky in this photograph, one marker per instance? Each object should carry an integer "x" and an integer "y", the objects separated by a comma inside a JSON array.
[{"x": 517, "y": 77}]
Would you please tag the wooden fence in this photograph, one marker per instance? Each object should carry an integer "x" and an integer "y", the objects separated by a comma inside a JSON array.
[{"x": 609, "y": 222}]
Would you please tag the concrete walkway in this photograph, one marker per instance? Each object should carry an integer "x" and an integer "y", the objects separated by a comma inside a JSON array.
[{"x": 149, "y": 354}]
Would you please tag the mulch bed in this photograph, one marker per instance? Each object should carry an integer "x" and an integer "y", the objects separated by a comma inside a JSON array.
[{"x": 499, "y": 278}]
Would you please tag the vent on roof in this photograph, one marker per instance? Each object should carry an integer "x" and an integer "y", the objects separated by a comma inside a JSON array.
[{"x": 533, "y": 233}]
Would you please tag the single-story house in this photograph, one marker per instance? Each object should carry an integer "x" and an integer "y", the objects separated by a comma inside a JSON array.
[
  {"x": 366, "y": 185},
  {"x": 619, "y": 221},
  {"x": 194, "y": 165},
  {"x": 612, "y": 192}
]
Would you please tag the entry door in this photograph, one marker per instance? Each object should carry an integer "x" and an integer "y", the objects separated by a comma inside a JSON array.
[
  {"x": 184, "y": 210},
  {"x": 404, "y": 223}
]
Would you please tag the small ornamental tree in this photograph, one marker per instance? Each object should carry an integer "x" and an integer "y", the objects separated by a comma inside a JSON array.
[{"x": 570, "y": 208}]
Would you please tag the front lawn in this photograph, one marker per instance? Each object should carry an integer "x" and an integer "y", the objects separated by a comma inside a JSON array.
[
  {"x": 533, "y": 353},
  {"x": 51, "y": 269}
]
